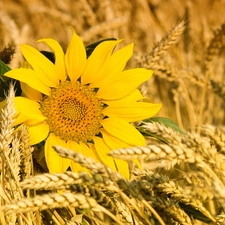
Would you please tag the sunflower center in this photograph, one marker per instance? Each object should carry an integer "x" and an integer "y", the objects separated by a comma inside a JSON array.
[{"x": 73, "y": 112}]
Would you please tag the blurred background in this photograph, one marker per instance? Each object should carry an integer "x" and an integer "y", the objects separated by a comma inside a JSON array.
[{"x": 182, "y": 41}]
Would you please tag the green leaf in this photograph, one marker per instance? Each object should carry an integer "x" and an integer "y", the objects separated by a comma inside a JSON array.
[
  {"x": 149, "y": 133},
  {"x": 162, "y": 120},
  {"x": 4, "y": 81},
  {"x": 3, "y": 68},
  {"x": 203, "y": 216},
  {"x": 166, "y": 122}
]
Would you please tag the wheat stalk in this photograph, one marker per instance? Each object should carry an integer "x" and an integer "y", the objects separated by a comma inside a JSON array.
[
  {"x": 61, "y": 180},
  {"x": 160, "y": 49},
  {"x": 89, "y": 163},
  {"x": 49, "y": 201}
]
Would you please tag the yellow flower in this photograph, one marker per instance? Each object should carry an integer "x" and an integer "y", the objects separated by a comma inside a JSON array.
[{"x": 83, "y": 104}]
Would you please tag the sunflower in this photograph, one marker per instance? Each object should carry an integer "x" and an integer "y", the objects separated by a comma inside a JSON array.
[{"x": 85, "y": 104}]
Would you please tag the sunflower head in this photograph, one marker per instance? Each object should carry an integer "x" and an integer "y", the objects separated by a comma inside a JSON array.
[
  {"x": 73, "y": 112},
  {"x": 83, "y": 103}
]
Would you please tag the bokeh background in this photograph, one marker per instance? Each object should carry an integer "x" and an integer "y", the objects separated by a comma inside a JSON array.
[{"x": 188, "y": 67}]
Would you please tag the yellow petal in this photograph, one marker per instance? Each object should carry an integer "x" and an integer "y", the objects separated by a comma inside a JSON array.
[
  {"x": 112, "y": 141},
  {"x": 123, "y": 84},
  {"x": 123, "y": 131},
  {"x": 117, "y": 62},
  {"x": 75, "y": 58},
  {"x": 43, "y": 67},
  {"x": 26, "y": 65},
  {"x": 38, "y": 132},
  {"x": 132, "y": 112},
  {"x": 132, "y": 97},
  {"x": 59, "y": 57},
  {"x": 30, "y": 93},
  {"x": 29, "y": 77},
  {"x": 102, "y": 150},
  {"x": 55, "y": 163},
  {"x": 122, "y": 167},
  {"x": 97, "y": 63},
  {"x": 27, "y": 109},
  {"x": 115, "y": 143},
  {"x": 76, "y": 167},
  {"x": 86, "y": 151},
  {"x": 26, "y": 105},
  {"x": 27, "y": 112},
  {"x": 35, "y": 119},
  {"x": 119, "y": 59}
]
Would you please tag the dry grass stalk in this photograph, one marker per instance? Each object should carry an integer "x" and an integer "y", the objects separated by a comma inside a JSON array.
[
  {"x": 216, "y": 44},
  {"x": 218, "y": 88},
  {"x": 146, "y": 23},
  {"x": 98, "y": 29}
]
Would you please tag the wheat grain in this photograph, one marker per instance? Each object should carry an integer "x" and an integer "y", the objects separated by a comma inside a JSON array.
[
  {"x": 124, "y": 212},
  {"x": 160, "y": 49},
  {"x": 171, "y": 210},
  {"x": 98, "y": 194},
  {"x": 60, "y": 180},
  {"x": 15, "y": 158},
  {"x": 213, "y": 49},
  {"x": 26, "y": 153},
  {"x": 49, "y": 201},
  {"x": 216, "y": 135},
  {"x": 6, "y": 123},
  {"x": 165, "y": 71},
  {"x": 215, "y": 45},
  {"x": 203, "y": 194},
  {"x": 171, "y": 153},
  {"x": 214, "y": 159},
  {"x": 89, "y": 163}
]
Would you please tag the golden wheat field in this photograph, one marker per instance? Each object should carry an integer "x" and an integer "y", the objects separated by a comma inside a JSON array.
[{"x": 181, "y": 176}]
